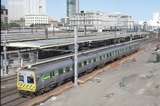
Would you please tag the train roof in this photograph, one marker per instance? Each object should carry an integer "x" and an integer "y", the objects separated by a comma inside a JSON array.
[{"x": 66, "y": 60}]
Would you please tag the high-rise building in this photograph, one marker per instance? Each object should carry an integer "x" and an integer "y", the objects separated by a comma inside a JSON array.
[
  {"x": 71, "y": 7},
  {"x": 36, "y": 13},
  {"x": 17, "y": 9},
  {"x": 36, "y": 7},
  {"x": 155, "y": 21},
  {"x": 4, "y": 15}
]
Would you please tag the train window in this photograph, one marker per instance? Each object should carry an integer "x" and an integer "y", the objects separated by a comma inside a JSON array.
[
  {"x": 67, "y": 69},
  {"x": 110, "y": 54},
  {"x": 85, "y": 62},
  {"x": 56, "y": 73},
  {"x": 89, "y": 61},
  {"x": 60, "y": 71},
  {"x": 30, "y": 79},
  {"x": 79, "y": 65},
  {"x": 100, "y": 57},
  {"x": 52, "y": 74},
  {"x": 107, "y": 55},
  {"x": 115, "y": 52},
  {"x": 21, "y": 78},
  {"x": 94, "y": 60},
  {"x": 71, "y": 68},
  {"x": 104, "y": 56}
]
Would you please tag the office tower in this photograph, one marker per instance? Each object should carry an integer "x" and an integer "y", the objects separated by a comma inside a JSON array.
[
  {"x": 17, "y": 9},
  {"x": 72, "y": 7}
]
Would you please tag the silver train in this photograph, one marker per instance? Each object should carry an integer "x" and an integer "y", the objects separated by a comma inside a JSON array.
[{"x": 43, "y": 77}]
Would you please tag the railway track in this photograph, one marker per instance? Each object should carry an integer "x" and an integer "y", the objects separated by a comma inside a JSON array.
[
  {"x": 8, "y": 92},
  {"x": 12, "y": 98},
  {"x": 6, "y": 79}
]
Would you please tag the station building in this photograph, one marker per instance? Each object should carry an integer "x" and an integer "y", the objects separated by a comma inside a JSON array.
[{"x": 100, "y": 21}]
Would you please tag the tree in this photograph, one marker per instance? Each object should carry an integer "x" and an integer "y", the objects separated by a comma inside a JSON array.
[
  {"x": 32, "y": 25},
  {"x": 13, "y": 24},
  {"x": 4, "y": 25}
]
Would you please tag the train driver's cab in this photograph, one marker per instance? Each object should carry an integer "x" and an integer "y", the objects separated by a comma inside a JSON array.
[{"x": 26, "y": 81}]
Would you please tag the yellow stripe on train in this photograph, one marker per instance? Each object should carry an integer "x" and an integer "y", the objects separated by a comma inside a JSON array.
[{"x": 26, "y": 87}]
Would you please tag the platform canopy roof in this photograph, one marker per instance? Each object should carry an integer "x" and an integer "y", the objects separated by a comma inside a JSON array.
[{"x": 41, "y": 44}]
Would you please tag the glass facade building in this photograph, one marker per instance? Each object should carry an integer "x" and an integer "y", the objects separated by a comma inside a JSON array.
[{"x": 71, "y": 7}]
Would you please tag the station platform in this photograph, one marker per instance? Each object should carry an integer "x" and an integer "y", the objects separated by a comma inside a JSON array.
[{"x": 68, "y": 40}]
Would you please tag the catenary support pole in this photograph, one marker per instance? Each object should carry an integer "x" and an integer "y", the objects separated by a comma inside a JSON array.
[
  {"x": 76, "y": 49},
  {"x": 5, "y": 54},
  {"x": 75, "y": 57}
]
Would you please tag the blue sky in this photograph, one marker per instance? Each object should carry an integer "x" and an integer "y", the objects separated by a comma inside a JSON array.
[{"x": 139, "y": 9}]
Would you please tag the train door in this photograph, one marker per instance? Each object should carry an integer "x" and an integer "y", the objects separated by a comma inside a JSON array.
[{"x": 43, "y": 83}]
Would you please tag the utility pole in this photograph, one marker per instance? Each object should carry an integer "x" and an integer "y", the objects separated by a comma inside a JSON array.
[{"x": 76, "y": 48}]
